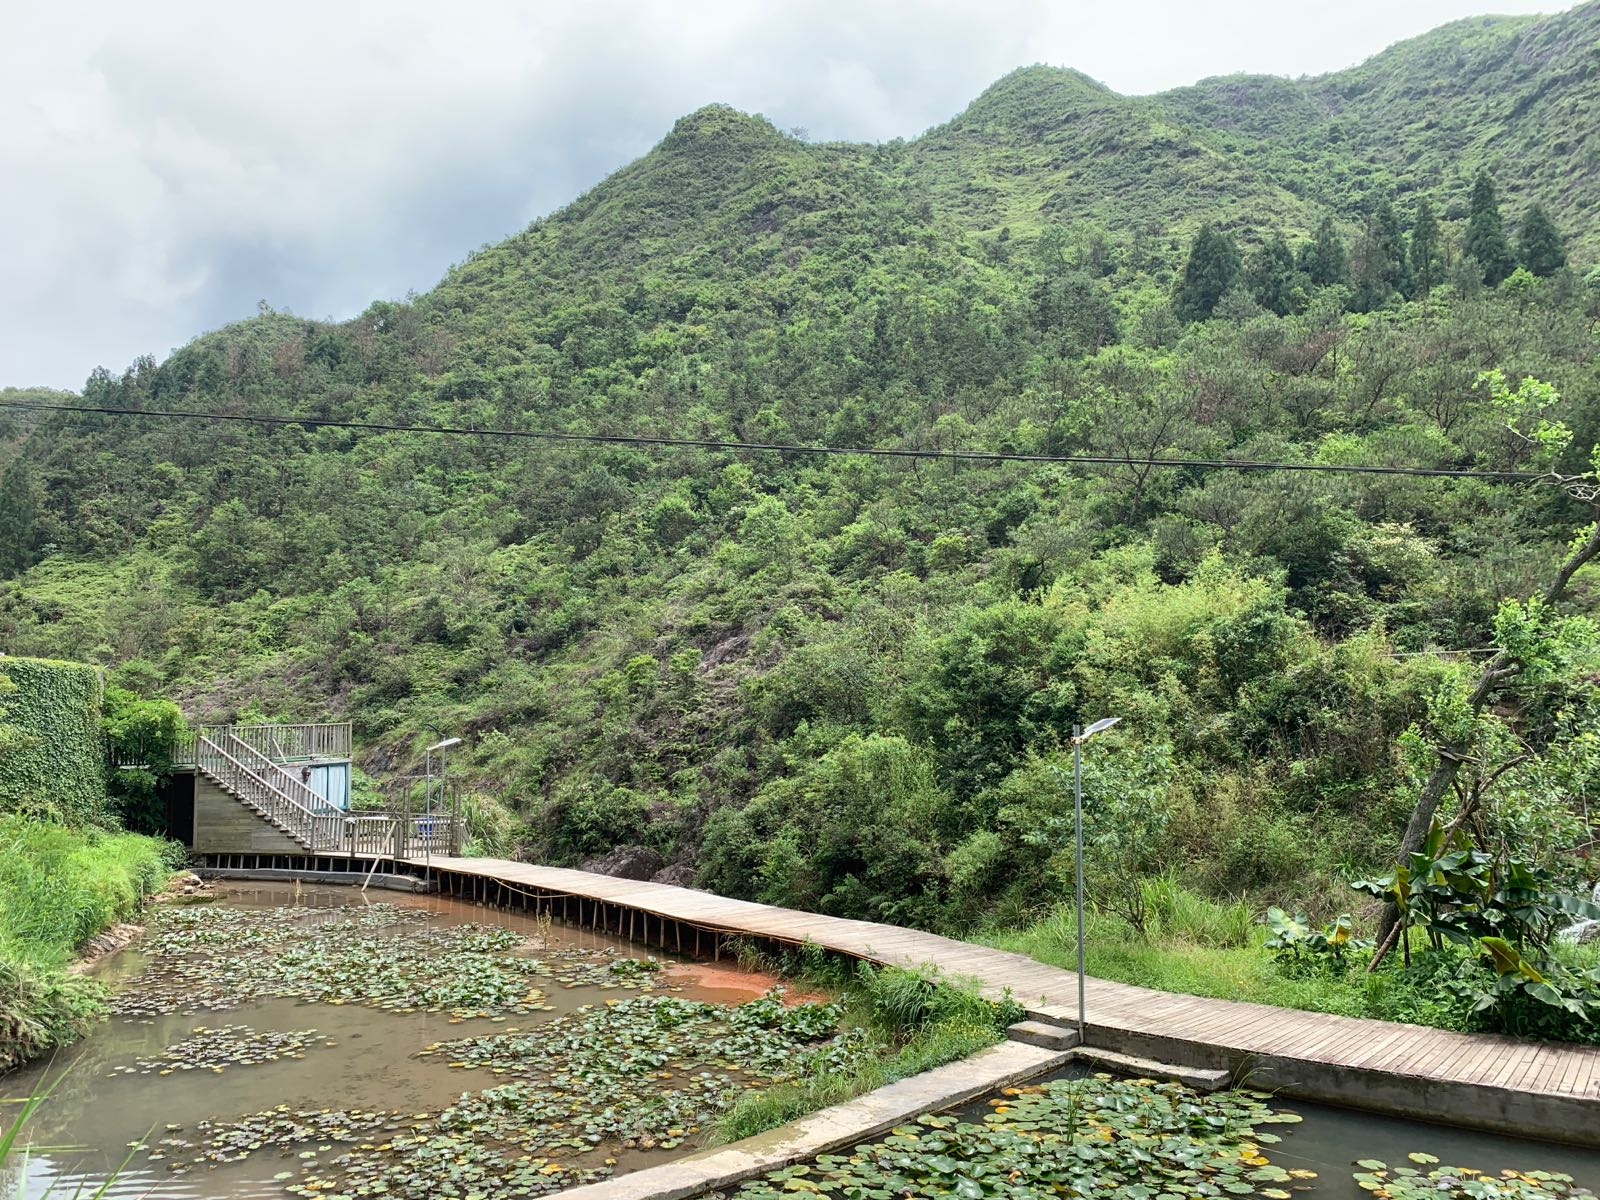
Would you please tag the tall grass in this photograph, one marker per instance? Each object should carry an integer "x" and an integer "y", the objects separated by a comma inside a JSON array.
[
  {"x": 916, "y": 1021},
  {"x": 59, "y": 886},
  {"x": 1203, "y": 947}
]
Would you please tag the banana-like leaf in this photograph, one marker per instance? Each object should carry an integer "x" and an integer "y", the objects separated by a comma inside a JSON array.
[{"x": 1508, "y": 960}]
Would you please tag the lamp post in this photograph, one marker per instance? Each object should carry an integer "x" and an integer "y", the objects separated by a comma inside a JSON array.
[
  {"x": 427, "y": 769},
  {"x": 427, "y": 793},
  {"x": 1079, "y": 737}
]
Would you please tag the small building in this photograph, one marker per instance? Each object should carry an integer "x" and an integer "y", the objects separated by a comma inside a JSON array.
[{"x": 247, "y": 789}]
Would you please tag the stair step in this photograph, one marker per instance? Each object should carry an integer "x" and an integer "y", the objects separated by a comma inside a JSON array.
[
  {"x": 1198, "y": 1078},
  {"x": 1038, "y": 1033}
]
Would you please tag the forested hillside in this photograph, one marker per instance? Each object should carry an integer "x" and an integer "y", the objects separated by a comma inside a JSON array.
[
  {"x": 1512, "y": 95},
  {"x": 845, "y": 682}
]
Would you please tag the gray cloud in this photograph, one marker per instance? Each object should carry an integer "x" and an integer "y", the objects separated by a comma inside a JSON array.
[{"x": 169, "y": 164}]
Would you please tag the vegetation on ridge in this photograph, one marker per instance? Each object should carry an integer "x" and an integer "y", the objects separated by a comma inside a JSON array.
[{"x": 845, "y": 682}]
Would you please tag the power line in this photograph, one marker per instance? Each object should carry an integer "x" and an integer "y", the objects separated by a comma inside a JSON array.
[{"x": 620, "y": 439}]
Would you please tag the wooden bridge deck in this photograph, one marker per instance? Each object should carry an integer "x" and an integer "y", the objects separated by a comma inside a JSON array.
[{"x": 1490, "y": 1082}]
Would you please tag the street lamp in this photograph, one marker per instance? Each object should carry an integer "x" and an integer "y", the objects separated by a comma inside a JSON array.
[
  {"x": 1079, "y": 737},
  {"x": 427, "y": 769}
]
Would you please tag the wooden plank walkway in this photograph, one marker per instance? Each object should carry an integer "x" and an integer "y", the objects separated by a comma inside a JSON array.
[{"x": 1500, "y": 1083}]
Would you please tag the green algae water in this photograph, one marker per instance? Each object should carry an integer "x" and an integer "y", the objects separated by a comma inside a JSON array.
[
  {"x": 318, "y": 1041},
  {"x": 1096, "y": 1135}
]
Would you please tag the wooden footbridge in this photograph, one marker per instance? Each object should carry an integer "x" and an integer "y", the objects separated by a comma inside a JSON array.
[{"x": 1479, "y": 1081}]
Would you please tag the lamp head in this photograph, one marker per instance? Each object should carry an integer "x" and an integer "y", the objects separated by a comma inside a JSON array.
[{"x": 1099, "y": 726}]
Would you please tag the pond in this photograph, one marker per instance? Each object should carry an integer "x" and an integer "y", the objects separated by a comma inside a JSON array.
[
  {"x": 318, "y": 1041},
  {"x": 321, "y": 1042},
  {"x": 1132, "y": 1139}
]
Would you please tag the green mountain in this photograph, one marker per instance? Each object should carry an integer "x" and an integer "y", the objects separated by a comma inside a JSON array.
[
  {"x": 845, "y": 681},
  {"x": 1512, "y": 95}
]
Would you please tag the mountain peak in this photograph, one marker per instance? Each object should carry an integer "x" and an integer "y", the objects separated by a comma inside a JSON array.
[
  {"x": 720, "y": 123},
  {"x": 1033, "y": 94}
]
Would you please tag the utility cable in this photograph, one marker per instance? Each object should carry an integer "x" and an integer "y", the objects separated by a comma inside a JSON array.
[{"x": 620, "y": 439}]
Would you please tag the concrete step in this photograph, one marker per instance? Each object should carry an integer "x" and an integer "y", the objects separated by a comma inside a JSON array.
[
  {"x": 1197, "y": 1078},
  {"x": 1047, "y": 1037}
]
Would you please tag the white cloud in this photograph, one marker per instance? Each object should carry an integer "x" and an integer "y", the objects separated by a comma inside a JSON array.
[{"x": 168, "y": 164}]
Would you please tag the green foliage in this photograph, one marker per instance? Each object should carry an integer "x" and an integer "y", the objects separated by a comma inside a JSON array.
[
  {"x": 1539, "y": 243},
  {"x": 58, "y": 888},
  {"x": 1301, "y": 947},
  {"x": 1213, "y": 266},
  {"x": 21, "y": 497},
  {"x": 52, "y": 760},
  {"x": 1273, "y": 280},
  {"x": 1485, "y": 239},
  {"x": 1324, "y": 259},
  {"x": 1424, "y": 253},
  {"x": 1506, "y": 914},
  {"x": 139, "y": 737}
]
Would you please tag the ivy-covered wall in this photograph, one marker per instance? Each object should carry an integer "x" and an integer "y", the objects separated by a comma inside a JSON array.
[{"x": 51, "y": 757}]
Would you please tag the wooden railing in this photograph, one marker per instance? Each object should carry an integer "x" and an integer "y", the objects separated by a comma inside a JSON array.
[
  {"x": 259, "y": 789},
  {"x": 403, "y": 835},
  {"x": 264, "y": 767},
  {"x": 281, "y": 743},
  {"x": 284, "y": 742},
  {"x": 255, "y": 780}
]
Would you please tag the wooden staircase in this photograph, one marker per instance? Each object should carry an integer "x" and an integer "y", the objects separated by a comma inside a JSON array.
[{"x": 264, "y": 787}]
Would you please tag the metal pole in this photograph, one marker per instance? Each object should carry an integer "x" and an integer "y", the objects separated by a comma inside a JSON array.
[{"x": 1077, "y": 821}]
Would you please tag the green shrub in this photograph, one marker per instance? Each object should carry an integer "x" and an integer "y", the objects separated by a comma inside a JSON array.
[
  {"x": 52, "y": 759},
  {"x": 60, "y": 886}
]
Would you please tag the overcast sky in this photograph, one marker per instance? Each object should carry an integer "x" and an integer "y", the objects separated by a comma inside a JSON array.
[{"x": 167, "y": 165}]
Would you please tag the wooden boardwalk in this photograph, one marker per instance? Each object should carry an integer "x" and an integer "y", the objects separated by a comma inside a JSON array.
[{"x": 1498, "y": 1083}]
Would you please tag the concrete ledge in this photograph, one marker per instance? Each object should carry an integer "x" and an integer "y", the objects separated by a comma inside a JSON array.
[
  {"x": 830, "y": 1129},
  {"x": 1197, "y": 1078},
  {"x": 1040, "y": 1033},
  {"x": 394, "y": 883}
]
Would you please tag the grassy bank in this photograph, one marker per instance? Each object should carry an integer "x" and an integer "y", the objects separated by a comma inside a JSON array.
[
  {"x": 1200, "y": 947},
  {"x": 913, "y": 1023},
  {"x": 59, "y": 886}
]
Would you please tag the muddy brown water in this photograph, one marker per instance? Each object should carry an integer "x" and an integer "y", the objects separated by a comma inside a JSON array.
[{"x": 83, "y": 1132}]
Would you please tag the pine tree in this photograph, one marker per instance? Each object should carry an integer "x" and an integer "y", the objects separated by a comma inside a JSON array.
[
  {"x": 1539, "y": 243},
  {"x": 1427, "y": 263},
  {"x": 20, "y": 500},
  {"x": 1212, "y": 268},
  {"x": 1382, "y": 270},
  {"x": 1486, "y": 236},
  {"x": 1323, "y": 258},
  {"x": 1271, "y": 276}
]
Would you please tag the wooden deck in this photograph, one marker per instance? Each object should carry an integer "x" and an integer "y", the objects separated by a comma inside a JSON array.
[{"x": 1497, "y": 1083}]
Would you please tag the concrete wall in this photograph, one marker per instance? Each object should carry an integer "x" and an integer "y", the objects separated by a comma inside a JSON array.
[{"x": 222, "y": 825}]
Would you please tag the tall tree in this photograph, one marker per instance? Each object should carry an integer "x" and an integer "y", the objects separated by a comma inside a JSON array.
[
  {"x": 1426, "y": 257},
  {"x": 1323, "y": 259},
  {"x": 20, "y": 500},
  {"x": 1486, "y": 235},
  {"x": 1539, "y": 243},
  {"x": 1382, "y": 271},
  {"x": 1271, "y": 275},
  {"x": 1212, "y": 268}
]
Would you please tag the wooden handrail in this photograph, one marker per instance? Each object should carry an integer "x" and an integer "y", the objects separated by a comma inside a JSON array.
[
  {"x": 262, "y": 794},
  {"x": 253, "y": 778},
  {"x": 286, "y": 781}
]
